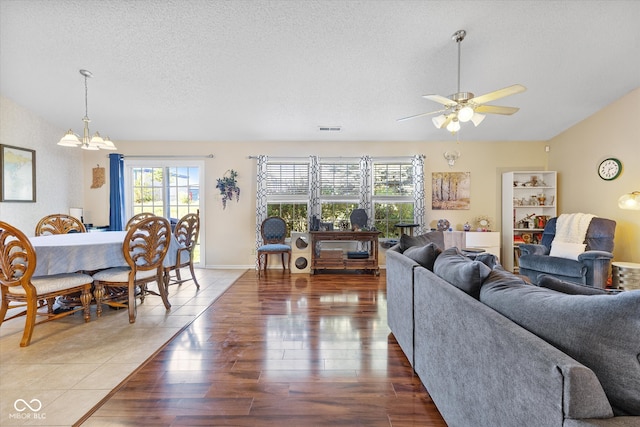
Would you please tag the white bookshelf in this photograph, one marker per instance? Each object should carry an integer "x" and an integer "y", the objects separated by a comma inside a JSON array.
[{"x": 525, "y": 194}]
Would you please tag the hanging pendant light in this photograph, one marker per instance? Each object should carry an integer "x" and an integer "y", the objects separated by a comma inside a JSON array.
[{"x": 96, "y": 142}]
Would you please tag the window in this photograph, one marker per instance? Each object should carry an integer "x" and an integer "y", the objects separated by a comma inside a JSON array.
[
  {"x": 165, "y": 189},
  {"x": 288, "y": 193},
  {"x": 339, "y": 191},
  {"x": 393, "y": 200},
  {"x": 390, "y": 189}
]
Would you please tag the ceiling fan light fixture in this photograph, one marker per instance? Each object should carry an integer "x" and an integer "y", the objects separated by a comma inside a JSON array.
[
  {"x": 439, "y": 121},
  {"x": 477, "y": 118},
  {"x": 465, "y": 114},
  {"x": 453, "y": 126}
]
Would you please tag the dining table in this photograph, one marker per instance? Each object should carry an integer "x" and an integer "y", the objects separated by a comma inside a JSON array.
[{"x": 68, "y": 253}]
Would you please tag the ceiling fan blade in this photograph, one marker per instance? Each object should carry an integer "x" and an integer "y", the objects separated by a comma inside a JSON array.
[
  {"x": 497, "y": 94},
  {"x": 494, "y": 109},
  {"x": 419, "y": 115},
  {"x": 441, "y": 100}
]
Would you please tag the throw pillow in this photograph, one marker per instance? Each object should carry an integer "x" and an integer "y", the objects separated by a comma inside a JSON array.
[
  {"x": 463, "y": 273},
  {"x": 550, "y": 282},
  {"x": 424, "y": 255},
  {"x": 436, "y": 237},
  {"x": 566, "y": 249},
  {"x": 600, "y": 331},
  {"x": 490, "y": 260}
]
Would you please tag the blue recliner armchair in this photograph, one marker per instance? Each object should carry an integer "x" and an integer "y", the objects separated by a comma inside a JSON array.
[{"x": 592, "y": 266}]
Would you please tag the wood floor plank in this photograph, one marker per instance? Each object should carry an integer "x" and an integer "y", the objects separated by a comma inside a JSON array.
[{"x": 280, "y": 350}]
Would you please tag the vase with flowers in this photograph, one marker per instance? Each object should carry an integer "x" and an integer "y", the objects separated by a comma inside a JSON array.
[{"x": 228, "y": 187}]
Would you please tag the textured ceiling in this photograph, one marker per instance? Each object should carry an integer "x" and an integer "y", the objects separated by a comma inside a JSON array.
[{"x": 189, "y": 70}]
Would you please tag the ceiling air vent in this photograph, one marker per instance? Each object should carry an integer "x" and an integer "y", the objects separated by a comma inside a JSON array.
[{"x": 330, "y": 128}]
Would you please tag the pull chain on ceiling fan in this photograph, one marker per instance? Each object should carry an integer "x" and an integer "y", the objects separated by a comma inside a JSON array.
[{"x": 462, "y": 107}]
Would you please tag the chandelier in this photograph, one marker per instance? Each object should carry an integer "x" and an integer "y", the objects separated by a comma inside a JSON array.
[{"x": 96, "y": 142}]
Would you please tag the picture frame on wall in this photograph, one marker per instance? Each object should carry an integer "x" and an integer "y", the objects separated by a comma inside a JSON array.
[
  {"x": 17, "y": 174},
  {"x": 451, "y": 190}
]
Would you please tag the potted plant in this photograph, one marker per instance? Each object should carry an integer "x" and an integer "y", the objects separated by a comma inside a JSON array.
[{"x": 228, "y": 187}]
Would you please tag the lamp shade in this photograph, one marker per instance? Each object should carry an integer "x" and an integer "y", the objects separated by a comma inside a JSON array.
[
  {"x": 439, "y": 121},
  {"x": 107, "y": 144},
  {"x": 465, "y": 114},
  {"x": 477, "y": 118},
  {"x": 630, "y": 201},
  {"x": 453, "y": 126},
  {"x": 70, "y": 139}
]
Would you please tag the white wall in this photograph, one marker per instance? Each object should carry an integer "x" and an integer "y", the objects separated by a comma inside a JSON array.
[
  {"x": 576, "y": 153},
  {"x": 59, "y": 173},
  {"x": 230, "y": 233}
]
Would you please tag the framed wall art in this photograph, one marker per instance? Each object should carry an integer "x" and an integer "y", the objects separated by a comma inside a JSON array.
[
  {"x": 17, "y": 174},
  {"x": 450, "y": 190}
]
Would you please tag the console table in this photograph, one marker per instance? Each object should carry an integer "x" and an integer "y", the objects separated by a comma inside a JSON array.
[{"x": 337, "y": 259}]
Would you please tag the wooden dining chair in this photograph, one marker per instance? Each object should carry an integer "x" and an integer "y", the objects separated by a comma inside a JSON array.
[
  {"x": 145, "y": 247},
  {"x": 59, "y": 224},
  {"x": 137, "y": 218},
  {"x": 274, "y": 232},
  {"x": 186, "y": 233},
  {"x": 20, "y": 289}
]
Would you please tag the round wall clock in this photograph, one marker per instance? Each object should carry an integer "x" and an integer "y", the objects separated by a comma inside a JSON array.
[{"x": 610, "y": 169}]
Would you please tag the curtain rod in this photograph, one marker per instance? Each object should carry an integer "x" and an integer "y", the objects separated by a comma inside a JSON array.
[
  {"x": 204, "y": 156},
  {"x": 341, "y": 157}
]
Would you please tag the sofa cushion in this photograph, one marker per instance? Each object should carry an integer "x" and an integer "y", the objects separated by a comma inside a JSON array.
[
  {"x": 436, "y": 237},
  {"x": 488, "y": 259},
  {"x": 463, "y": 273},
  {"x": 424, "y": 255},
  {"x": 550, "y": 282},
  {"x": 600, "y": 331}
]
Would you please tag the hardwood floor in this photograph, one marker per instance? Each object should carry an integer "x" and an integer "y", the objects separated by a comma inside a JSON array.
[{"x": 279, "y": 350}]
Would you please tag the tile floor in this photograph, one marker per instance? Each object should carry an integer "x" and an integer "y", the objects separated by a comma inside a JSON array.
[{"x": 71, "y": 365}]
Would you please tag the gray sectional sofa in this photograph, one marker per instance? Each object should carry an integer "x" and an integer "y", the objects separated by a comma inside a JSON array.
[{"x": 493, "y": 350}]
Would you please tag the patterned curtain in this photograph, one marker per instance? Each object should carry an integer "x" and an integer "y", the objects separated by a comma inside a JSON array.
[
  {"x": 418, "y": 192},
  {"x": 261, "y": 198},
  {"x": 366, "y": 192},
  {"x": 314, "y": 189}
]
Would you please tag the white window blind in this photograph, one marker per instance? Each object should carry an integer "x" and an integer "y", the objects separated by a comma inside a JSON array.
[
  {"x": 339, "y": 179},
  {"x": 392, "y": 179},
  {"x": 287, "y": 179}
]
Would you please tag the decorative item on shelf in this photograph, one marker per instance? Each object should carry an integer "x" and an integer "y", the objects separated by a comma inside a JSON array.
[
  {"x": 466, "y": 226},
  {"x": 533, "y": 201},
  {"x": 630, "y": 201},
  {"x": 541, "y": 221},
  {"x": 541, "y": 199},
  {"x": 451, "y": 157},
  {"x": 527, "y": 221},
  {"x": 228, "y": 187},
  {"x": 443, "y": 225},
  {"x": 483, "y": 223}
]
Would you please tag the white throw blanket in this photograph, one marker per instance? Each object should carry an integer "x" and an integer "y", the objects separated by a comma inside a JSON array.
[{"x": 572, "y": 228}]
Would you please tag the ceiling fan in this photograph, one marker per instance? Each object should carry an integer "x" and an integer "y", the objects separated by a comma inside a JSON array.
[{"x": 464, "y": 106}]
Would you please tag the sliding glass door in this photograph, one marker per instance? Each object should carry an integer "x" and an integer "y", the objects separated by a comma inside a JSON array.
[{"x": 168, "y": 188}]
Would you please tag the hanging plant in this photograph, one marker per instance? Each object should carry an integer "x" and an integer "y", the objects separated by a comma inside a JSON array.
[{"x": 228, "y": 186}]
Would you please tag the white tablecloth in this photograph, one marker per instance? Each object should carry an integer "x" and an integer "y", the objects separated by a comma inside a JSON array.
[{"x": 68, "y": 253}]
